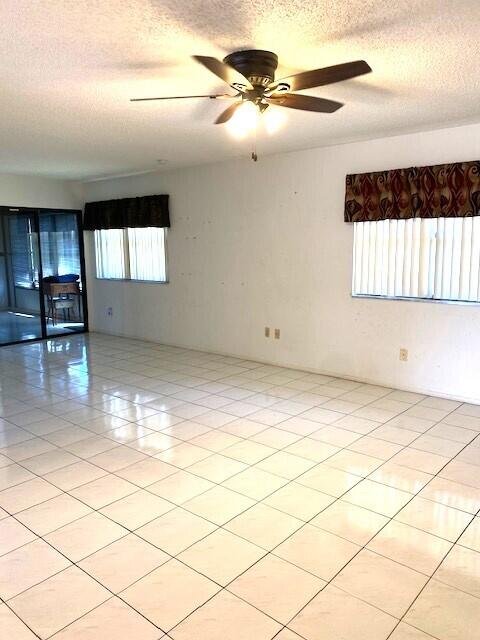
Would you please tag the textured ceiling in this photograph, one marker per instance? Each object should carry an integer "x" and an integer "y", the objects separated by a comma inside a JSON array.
[{"x": 68, "y": 69}]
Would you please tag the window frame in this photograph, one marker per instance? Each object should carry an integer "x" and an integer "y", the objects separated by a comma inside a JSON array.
[
  {"x": 372, "y": 296},
  {"x": 126, "y": 255},
  {"x": 36, "y": 212}
]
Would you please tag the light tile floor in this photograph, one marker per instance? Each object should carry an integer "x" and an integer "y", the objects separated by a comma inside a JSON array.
[{"x": 153, "y": 492}]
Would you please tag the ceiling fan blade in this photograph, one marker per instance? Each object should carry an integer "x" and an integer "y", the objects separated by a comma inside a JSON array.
[
  {"x": 228, "y": 113},
  {"x": 305, "y": 103},
  {"x": 218, "y": 96},
  {"x": 327, "y": 75},
  {"x": 223, "y": 71}
]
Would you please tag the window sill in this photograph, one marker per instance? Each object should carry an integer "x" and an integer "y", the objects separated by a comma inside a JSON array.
[
  {"x": 26, "y": 287},
  {"x": 367, "y": 296},
  {"x": 132, "y": 280}
]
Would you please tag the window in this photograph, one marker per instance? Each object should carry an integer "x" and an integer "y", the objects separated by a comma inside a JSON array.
[
  {"x": 24, "y": 251},
  {"x": 429, "y": 258},
  {"x": 131, "y": 254},
  {"x": 59, "y": 244}
]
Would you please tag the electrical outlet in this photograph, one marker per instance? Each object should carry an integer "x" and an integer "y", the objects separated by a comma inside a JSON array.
[
  {"x": 267, "y": 332},
  {"x": 404, "y": 355},
  {"x": 277, "y": 334},
  {"x": 109, "y": 312}
]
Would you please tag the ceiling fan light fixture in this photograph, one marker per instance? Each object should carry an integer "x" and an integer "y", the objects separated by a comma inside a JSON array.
[
  {"x": 251, "y": 75},
  {"x": 273, "y": 120},
  {"x": 244, "y": 121}
]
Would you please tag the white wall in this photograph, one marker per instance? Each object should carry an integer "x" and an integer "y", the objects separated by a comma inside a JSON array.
[
  {"x": 255, "y": 245},
  {"x": 32, "y": 191}
]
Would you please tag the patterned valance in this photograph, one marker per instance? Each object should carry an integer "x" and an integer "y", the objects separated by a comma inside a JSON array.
[
  {"x": 147, "y": 211},
  {"x": 439, "y": 191}
]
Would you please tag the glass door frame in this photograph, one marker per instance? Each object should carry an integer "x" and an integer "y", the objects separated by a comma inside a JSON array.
[{"x": 35, "y": 212}]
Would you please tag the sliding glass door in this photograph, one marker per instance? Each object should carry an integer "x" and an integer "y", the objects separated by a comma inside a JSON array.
[
  {"x": 61, "y": 272},
  {"x": 42, "y": 275},
  {"x": 20, "y": 312}
]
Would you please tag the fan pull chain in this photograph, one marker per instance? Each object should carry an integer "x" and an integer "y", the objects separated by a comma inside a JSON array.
[{"x": 254, "y": 155}]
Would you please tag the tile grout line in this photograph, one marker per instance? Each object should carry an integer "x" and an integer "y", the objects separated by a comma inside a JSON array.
[
  {"x": 183, "y": 469},
  {"x": 327, "y": 582},
  {"x": 294, "y": 479},
  {"x": 220, "y": 484},
  {"x": 432, "y": 577},
  {"x": 364, "y": 546}
]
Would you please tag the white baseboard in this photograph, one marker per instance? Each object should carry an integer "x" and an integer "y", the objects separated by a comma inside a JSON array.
[{"x": 336, "y": 374}]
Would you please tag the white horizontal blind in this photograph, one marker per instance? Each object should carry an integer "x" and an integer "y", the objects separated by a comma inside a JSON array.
[
  {"x": 436, "y": 258},
  {"x": 131, "y": 254},
  {"x": 110, "y": 253},
  {"x": 147, "y": 254}
]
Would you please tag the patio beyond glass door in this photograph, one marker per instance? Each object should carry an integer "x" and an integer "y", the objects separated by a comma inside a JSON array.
[{"x": 61, "y": 272}]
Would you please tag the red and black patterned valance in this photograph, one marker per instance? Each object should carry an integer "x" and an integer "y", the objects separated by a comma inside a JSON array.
[{"x": 439, "y": 191}]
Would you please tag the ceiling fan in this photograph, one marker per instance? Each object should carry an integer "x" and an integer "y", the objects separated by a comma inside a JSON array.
[{"x": 251, "y": 74}]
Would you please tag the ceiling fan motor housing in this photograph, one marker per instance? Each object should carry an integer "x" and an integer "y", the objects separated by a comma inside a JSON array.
[{"x": 257, "y": 66}]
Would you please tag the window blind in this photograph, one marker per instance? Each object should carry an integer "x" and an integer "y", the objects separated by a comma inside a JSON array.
[
  {"x": 59, "y": 244},
  {"x": 433, "y": 258},
  {"x": 147, "y": 254},
  {"x": 110, "y": 253}
]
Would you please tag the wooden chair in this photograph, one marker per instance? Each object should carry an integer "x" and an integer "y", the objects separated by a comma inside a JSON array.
[{"x": 58, "y": 297}]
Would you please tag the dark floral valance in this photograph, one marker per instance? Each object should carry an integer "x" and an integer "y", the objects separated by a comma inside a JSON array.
[
  {"x": 438, "y": 191},
  {"x": 147, "y": 211}
]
